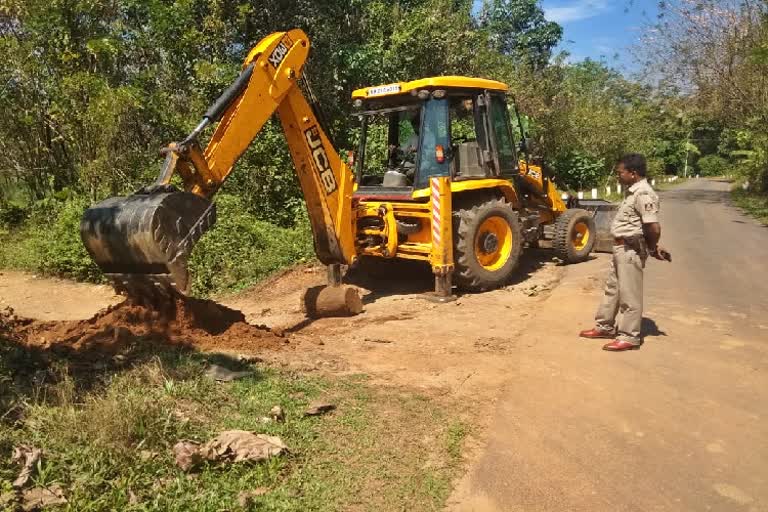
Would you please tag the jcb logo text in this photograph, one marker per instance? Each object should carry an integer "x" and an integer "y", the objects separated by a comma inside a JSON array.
[
  {"x": 280, "y": 51},
  {"x": 321, "y": 160}
]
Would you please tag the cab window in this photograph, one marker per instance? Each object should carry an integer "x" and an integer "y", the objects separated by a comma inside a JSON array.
[
  {"x": 389, "y": 145},
  {"x": 504, "y": 142},
  {"x": 469, "y": 143},
  {"x": 435, "y": 138}
]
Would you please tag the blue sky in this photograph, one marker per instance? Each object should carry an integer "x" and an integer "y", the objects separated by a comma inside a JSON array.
[{"x": 601, "y": 29}]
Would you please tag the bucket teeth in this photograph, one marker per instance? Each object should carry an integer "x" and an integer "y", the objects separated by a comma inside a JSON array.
[{"x": 142, "y": 242}]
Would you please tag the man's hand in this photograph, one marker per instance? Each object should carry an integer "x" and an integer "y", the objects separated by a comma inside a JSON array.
[{"x": 661, "y": 253}]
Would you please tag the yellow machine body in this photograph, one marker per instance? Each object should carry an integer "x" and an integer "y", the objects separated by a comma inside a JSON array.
[{"x": 489, "y": 210}]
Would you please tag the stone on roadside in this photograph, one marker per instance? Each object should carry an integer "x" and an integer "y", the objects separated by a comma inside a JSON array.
[
  {"x": 221, "y": 374},
  {"x": 277, "y": 414},
  {"x": 318, "y": 408}
]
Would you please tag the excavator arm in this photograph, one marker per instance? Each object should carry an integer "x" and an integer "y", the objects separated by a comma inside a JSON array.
[{"x": 142, "y": 242}]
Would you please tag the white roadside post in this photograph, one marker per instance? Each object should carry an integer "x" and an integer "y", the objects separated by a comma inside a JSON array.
[
  {"x": 580, "y": 195},
  {"x": 594, "y": 193}
]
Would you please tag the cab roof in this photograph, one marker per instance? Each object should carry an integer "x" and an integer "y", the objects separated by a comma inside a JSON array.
[{"x": 437, "y": 82}]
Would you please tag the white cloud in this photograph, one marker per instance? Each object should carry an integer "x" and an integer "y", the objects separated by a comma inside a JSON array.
[{"x": 578, "y": 10}]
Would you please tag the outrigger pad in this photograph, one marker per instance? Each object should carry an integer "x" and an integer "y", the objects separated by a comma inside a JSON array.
[{"x": 146, "y": 237}]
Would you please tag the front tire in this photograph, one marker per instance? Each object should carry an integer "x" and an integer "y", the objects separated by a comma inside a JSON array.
[
  {"x": 487, "y": 245},
  {"x": 575, "y": 235}
]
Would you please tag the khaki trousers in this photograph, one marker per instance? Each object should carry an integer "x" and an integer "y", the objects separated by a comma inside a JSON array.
[{"x": 623, "y": 293}]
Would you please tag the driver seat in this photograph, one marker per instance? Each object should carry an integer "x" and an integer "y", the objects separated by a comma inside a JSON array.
[{"x": 468, "y": 160}]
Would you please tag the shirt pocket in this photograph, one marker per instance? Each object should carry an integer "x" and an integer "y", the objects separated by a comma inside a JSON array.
[{"x": 625, "y": 211}]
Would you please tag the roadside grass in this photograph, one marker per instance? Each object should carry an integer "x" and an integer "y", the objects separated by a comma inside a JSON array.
[
  {"x": 752, "y": 203},
  {"x": 107, "y": 436},
  {"x": 16, "y": 250}
]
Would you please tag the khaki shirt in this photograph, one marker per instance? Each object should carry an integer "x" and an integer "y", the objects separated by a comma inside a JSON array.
[{"x": 640, "y": 206}]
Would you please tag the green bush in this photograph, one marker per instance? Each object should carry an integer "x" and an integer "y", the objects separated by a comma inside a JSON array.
[
  {"x": 12, "y": 216},
  {"x": 712, "y": 165},
  {"x": 61, "y": 250},
  {"x": 237, "y": 252},
  {"x": 240, "y": 249},
  {"x": 577, "y": 170}
]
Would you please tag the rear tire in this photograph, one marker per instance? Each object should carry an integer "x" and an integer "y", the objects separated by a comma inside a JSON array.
[
  {"x": 487, "y": 245},
  {"x": 575, "y": 235}
]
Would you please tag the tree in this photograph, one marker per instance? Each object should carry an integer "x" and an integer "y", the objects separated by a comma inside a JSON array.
[
  {"x": 585, "y": 116},
  {"x": 518, "y": 29},
  {"x": 714, "y": 53}
]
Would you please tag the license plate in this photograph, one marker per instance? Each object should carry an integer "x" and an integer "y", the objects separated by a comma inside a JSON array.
[{"x": 384, "y": 89}]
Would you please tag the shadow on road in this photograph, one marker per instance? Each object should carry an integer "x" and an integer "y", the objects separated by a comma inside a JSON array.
[
  {"x": 531, "y": 261},
  {"x": 390, "y": 277},
  {"x": 648, "y": 327},
  {"x": 401, "y": 277},
  {"x": 699, "y": 196}
]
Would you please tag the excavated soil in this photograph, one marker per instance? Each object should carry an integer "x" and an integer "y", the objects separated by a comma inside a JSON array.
[{"x": 183, "y": 322}]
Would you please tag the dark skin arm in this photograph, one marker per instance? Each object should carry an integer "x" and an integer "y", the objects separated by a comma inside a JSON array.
[{"x": 652, "y": 234}]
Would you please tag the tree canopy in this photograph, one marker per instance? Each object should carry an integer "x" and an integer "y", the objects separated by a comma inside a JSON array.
[{"x": 91, "y": 89}]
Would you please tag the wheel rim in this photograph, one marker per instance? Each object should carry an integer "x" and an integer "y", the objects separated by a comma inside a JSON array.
[
  {"x": 581, "y": 236},
  {"x": 493, "y": 243}
]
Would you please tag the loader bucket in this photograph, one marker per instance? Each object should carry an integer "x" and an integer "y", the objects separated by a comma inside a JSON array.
[
  {"x": 142, "y": 242},
  {"x": 603, "y": 212}
]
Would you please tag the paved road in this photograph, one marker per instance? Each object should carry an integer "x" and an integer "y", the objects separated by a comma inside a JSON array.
[
  {"x": 723, "y": 256},
  {"x": 681, "y": 424}
]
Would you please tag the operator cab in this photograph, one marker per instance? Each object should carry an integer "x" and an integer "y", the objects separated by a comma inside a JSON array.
[{"x": 443, "y": 126}]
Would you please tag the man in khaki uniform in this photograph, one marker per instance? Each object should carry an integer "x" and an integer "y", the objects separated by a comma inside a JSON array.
[{"x": 636, "y": 232}]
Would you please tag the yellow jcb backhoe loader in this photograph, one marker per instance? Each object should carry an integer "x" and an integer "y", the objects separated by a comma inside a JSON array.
[{"x": 436, "y": 178}]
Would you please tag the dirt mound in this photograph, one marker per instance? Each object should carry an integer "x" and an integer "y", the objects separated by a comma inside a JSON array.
[{"x": 185, "y": 321}]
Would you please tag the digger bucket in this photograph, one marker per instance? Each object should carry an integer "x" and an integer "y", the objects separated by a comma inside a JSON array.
[
  {"x": 603, "y": 212},
  {"x": 142, "y": 242}
]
